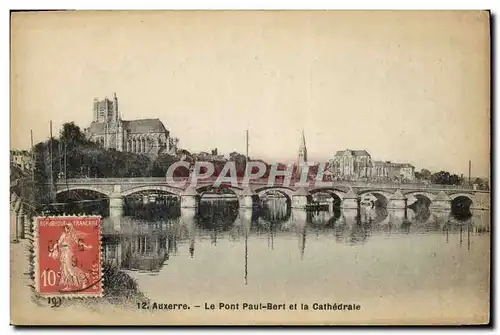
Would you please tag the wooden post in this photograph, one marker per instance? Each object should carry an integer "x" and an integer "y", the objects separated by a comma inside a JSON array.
[
  {"x": 468, "y": 236},
  {"x": 246, "y": 257}
]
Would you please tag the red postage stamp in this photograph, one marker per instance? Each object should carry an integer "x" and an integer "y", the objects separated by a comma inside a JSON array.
[{"x": 68, "y": 256}]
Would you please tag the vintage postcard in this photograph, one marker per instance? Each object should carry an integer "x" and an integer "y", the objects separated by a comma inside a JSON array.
[{"x": 250, "y": 168}]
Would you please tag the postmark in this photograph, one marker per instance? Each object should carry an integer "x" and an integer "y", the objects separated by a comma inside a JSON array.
[{"x": 68, "y": 256}]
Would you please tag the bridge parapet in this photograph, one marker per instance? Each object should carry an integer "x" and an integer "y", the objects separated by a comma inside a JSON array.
[
  {"x": 111, "y": 180},
  {"x": 265, "y": 181}
]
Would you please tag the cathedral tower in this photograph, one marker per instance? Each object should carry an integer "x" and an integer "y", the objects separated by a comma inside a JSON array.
[
  {"x": 105, "y": 110},
  {"x": 116, "y": 113}
]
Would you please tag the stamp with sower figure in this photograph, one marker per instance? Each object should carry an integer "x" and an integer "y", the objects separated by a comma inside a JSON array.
[{"x": 68, "y": 256}]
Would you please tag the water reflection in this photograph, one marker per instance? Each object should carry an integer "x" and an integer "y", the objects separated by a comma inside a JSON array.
[
  {"x": 138, "y": 246},
  {"x": 150, "y": 240}
]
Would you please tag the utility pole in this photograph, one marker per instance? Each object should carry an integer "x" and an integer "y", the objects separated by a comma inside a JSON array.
[
  {"x": 33, "y": 197},
  {"x": 51, "y": 175},
  {"x": 65, "y": 160},
  {"x": 59, "y": 156},
  {"x": 470, "y": 165},
  {"x": 246, "y": 154}
]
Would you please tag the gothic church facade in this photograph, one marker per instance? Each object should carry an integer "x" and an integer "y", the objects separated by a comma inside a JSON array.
[{"x": 146, "y": 136}]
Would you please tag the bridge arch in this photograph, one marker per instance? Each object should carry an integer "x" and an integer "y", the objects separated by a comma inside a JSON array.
[
  {"x": 340, "y": 193},
  {"x": 454, "y": 196},
  {"x": 461, "y": 203},
  {"x": 336, "y": 193},
  {"x": 162, "y": 188},
  {"x": 83, "y": 188},
  {"x": 286, "y": 191},
  {"x": 413, "y": 196},
  {"x": 202, "y": 189},
  {"x": 383, "y": 197}
]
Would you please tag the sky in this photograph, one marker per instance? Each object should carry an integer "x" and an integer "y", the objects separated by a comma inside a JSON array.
[{"x": 406, "y": 86}]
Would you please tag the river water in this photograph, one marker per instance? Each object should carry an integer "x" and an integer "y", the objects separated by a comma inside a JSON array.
[{"x": 376, "y": 257}]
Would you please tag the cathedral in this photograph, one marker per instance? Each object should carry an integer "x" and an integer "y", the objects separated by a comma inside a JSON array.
[{"x": 145, "y": 136}]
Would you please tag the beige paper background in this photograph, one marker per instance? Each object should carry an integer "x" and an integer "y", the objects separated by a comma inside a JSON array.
[{"x": 409, "y": 86}]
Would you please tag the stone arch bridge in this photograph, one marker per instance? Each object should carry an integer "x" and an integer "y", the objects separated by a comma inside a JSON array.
[{"x": 349, "y": 194}]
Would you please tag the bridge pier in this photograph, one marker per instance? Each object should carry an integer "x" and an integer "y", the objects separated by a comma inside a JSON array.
[
  {"x": 116, "y": 206},
  {"x": 298, "y": 217},
  {"x": 350, "y": 216},
  {"x": 397, "y": 216},
  {"x": 190, "y": 198},
  {"x": 245, "y": 218},
  {"x": 441, "y": 202},
  {"x": 441, "y": 217},
  {"x": 350, "y": 200},
  {"x": 397, "y": 201},
  {"x": 247, "y": 198},
  {"x": 410, "y": 199},
  {"x": 300, "y": 198},
  {"x": 481, "y": 201},
  {"x": 350, "y": 203}
]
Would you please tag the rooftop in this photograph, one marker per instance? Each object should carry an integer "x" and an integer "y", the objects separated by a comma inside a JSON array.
[
  {"x": 133, "y": 126},
  {"x": 392, "y": 164},
  {"x": 352, "y": 152},
  {"x": 145, "y": 126}
]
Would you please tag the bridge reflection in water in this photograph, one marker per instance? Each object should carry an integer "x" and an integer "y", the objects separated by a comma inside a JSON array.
[{"x": 148, "y": 241}]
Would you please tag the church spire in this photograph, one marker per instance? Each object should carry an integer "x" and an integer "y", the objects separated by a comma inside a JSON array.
[
  {"x": 302, "y": 156},
  {"x": 302, "y": 148}
]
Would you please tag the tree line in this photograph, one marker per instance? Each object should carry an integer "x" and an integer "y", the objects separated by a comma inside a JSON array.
[{"x": 446, "y": 178}]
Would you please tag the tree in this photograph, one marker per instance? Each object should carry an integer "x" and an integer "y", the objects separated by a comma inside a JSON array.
[
  {"x": 72, "y": 135},
  {"x": 483, "y": 184},
  {"x": 86, "y": 159},
  {"x": 185, "y": 155},
  {"x": 425, "y": 174},
  {"x": 240, "y": 161},
  {"x": 455, "y": 179},
  {"x": 445, "y": 178},
  {"x": 256, "y": 169},
  {"x": 162, "y": 163}
]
